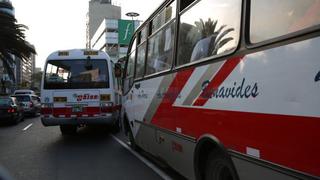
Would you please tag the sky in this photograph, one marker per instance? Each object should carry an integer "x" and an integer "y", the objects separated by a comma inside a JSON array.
[{"x": 61, "y": 24}]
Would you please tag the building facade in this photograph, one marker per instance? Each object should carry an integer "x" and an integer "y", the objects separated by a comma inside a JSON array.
[
  {"x": 98, "y": 11},
  {"x": 6, "y": 6},
  {"x": 113, "y": 36},
  {"x": 24, "y": 71}
]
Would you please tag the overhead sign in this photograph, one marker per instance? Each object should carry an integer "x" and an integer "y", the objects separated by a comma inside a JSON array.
[{"x": 126, "y": 30}]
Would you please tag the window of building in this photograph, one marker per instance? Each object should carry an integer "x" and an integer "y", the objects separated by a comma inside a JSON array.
[
  {"x": 273, "y": 18},
  {"x": 112, "y": 30},
  {"x": 209, "y": 28},
  {"x": 160, "y": 49}
]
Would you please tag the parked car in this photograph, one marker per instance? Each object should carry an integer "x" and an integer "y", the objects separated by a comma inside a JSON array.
[
  {"x": 23, "y": 91},
  {"x": 10, "y": 110},
  {"x": 30, "y": 103}
]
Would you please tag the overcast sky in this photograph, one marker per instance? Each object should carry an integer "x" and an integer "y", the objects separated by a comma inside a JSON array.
[{"x": 61, "y": 24}]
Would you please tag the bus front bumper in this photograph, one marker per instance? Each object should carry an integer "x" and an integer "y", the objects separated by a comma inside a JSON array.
[{"x": 109, "y": 119}]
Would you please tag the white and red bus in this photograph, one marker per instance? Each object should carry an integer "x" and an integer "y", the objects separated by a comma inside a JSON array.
[
  {"x": 79, "y": 88},
  {"x": 227, "y": 89}
]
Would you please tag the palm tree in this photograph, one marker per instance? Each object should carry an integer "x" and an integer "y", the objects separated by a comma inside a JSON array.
[
  {"x": 12, "y": 40},
  {"x": 208, "y": 28}
]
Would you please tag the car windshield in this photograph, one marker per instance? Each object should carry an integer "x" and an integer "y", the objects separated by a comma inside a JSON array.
[
  {"x": 22, "y": 98},
  {"x": 76, "y": 73},
  {"x": 5, "y": 101}
]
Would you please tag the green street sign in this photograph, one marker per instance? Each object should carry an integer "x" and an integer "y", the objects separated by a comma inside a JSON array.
[{"x": 126, "y": 30}]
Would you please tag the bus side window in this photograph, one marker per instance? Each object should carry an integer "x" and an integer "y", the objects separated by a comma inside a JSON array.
[
  {"x": 160, "y": 46},
  {"x": 165, "y": 15},
  {"x": 141, "y": 52},
  {"x": 185, "y": 3},
  {"x": 140, "y": 64},
  {"x": 208, "y": 28},
  {"x": 283, "y": 17},
  {"x": 143, "y": 34},
  {"x": 160, "y": 50},
  {"x": 128, "y": 80}
]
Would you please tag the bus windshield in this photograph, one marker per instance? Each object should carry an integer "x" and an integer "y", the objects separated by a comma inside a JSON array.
[{"x": 76, "y": 74}]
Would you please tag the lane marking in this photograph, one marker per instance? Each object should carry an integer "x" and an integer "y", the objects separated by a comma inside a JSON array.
[
  {"x": 162, "y": 174},
  {"x": 24, "y": 129}
]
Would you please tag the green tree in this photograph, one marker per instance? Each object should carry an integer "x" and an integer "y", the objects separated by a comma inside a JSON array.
[{"x": 12, "y": 42}]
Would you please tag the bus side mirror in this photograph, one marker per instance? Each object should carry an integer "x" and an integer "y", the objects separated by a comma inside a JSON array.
[{"x": 117, "y": 70}]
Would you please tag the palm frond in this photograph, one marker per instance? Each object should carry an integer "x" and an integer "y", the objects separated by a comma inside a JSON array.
[{"x": 12, "y": 42}]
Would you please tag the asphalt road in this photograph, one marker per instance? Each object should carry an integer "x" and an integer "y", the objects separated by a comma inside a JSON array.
[{"x": 31, "y": 151}]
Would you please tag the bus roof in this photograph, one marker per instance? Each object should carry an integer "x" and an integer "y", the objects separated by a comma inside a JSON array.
[{"x": 78, "y": 54}]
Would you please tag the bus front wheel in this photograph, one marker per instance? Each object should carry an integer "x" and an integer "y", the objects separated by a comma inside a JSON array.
[
  {"x": 68, "y": 129},
  {"x": 219, "y": 167}
]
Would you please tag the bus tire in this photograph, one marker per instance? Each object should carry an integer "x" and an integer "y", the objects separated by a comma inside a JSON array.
[
  {"x": 219, "y": 167},
  {"x": 68, "y": 129}
]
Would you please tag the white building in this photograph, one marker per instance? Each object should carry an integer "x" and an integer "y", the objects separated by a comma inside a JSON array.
[
  {"x": 98, "y": 11},
  {"x": 113, "y": 36},
  {"x": 24, "y": 70}
]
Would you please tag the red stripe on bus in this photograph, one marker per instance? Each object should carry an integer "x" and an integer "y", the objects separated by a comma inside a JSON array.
[
  {"x": 160, "y": 117},
  {"x": 91, "y": 110},
  {"x": 277, "y": 137},
  {"x": 241, "y": 130},
  {"x": 218, "y": 79}
]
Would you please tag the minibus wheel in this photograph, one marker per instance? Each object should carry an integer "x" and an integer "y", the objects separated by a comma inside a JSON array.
[{"x": 219, "y": 167}]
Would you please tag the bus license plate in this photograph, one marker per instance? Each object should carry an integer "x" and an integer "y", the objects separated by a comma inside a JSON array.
[{"x": 76, "y": 109}]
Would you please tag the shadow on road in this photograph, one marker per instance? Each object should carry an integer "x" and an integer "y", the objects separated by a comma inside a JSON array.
[{"x": 86, "y": 136}]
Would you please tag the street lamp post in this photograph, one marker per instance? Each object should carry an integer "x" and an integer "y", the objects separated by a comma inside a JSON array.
[{"x": 132, "y": 15}]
